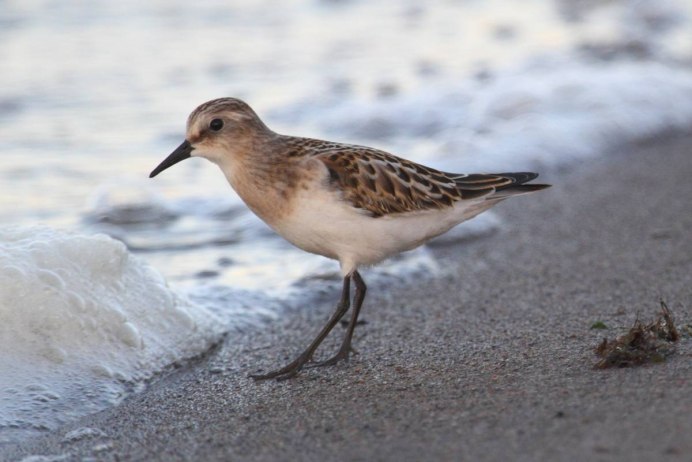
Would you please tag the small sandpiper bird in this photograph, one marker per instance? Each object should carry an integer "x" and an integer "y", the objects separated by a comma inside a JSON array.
[{"x": 354, "y": 204}]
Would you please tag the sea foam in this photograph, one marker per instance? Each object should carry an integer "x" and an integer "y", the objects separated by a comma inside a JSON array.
[{"x": 81, "y": 320}]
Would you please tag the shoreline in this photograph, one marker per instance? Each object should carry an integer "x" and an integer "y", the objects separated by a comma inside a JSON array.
[{"x": 491, "y": 361}]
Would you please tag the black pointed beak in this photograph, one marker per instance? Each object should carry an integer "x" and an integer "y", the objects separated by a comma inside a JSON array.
[{"x": 182, "y": 152}]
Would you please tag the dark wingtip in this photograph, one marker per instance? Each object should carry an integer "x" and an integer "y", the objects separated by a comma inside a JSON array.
[
  {"x": 519, "y": 177},
  {"x": 533, "y": 187}
]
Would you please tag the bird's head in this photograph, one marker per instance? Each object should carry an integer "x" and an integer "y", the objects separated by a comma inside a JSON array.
[{"x": 218, "y": 130}]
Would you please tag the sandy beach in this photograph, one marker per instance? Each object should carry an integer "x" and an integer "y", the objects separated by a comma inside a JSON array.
[{"x": 493, "y": 361}]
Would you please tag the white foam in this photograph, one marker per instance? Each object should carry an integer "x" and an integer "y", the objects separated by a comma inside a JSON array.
[
  {"x": 83, "y": 433},
  {"x": 81, "y": 320}
]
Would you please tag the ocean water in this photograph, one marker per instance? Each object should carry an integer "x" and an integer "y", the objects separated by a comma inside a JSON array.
[{"x": 93, "y": 97}]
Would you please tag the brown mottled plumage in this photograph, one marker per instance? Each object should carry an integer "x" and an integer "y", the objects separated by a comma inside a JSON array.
[
  {"x": 382, "y": 183},
  {"x": 355, "y": 204}
]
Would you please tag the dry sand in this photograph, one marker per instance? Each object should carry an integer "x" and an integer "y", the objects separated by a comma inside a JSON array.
[{"x": 492, "y": 362}]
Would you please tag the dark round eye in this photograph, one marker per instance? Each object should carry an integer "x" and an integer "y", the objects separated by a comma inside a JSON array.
[{"x": 216, "y": 124}]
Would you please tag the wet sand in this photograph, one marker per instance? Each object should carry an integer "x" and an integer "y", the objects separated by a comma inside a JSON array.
[{"x": 492, "y": 361}]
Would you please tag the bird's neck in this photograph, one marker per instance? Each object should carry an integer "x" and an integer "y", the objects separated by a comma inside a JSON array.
[{"x": 262, "y": 181}]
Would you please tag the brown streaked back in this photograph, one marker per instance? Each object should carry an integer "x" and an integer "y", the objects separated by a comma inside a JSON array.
[{"x": 383, "y": 184}]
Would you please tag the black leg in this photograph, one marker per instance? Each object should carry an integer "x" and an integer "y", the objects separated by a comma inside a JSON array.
[
  {"x": 346, "y": 348},
  {"x": 292, "y": 368}
]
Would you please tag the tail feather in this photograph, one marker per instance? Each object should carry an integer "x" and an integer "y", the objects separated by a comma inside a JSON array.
[{"x": 496, "y": 185}]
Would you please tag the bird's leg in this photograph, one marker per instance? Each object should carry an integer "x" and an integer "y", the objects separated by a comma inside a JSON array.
[
  {"x": 291, "y": 369},
  {"x": 346, "y": 349}
]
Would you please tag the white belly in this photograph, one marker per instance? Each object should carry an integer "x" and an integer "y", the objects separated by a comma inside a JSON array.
[{"x": 321, "y": 223}]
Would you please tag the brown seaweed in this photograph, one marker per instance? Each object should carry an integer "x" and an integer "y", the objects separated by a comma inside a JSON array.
[{"x": 642, "y": 344}]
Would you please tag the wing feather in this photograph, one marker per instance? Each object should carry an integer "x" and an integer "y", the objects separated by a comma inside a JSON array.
[{"x": 382, "y": 184}]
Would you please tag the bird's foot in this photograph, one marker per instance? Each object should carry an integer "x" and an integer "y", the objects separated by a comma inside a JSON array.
[
  {"x": 342, "y": 355},
  {"x": 288, "y": 371}
]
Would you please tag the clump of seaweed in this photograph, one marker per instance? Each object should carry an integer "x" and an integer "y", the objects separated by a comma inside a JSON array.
[{"x": 643, "y": 344}]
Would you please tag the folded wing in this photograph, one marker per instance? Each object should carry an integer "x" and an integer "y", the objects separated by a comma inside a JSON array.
[{"x": 383, "y": 184}]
